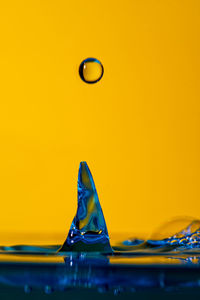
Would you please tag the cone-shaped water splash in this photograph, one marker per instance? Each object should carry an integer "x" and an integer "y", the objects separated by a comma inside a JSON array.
[{"x": 88, "y": 231}]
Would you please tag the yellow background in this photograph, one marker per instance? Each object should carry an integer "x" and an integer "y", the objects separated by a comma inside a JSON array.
[{"x": 138, "y": 128}]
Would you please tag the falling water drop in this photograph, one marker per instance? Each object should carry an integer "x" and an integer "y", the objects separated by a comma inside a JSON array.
[{"x": 91, "y": 70}]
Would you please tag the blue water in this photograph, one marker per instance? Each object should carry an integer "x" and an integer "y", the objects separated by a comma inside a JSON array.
[
  {"x": 88, "y": 231},
  {"x": 87, "y": 261}
]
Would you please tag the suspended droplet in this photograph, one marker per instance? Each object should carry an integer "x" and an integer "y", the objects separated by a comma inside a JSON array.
[{"x": 91, "y": 70}]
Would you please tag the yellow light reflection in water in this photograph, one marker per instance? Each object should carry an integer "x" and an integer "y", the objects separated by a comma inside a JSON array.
[{"x": 31, "y": 258}]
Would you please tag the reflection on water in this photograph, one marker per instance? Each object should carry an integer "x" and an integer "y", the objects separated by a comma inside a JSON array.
[
  {"x": 55, "y": 272},
  {"x": 135, "y": 267}
]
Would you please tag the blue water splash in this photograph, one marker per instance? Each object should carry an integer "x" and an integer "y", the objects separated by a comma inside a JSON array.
[
  {"x": 88, "y": 231},
  {"x": 188, "y": 238}
]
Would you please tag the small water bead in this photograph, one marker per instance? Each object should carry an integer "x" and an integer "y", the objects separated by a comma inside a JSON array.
[
  {"x": 183, "y": 241},
  {"x": 91, "y": 70},
  {"x": 173, "y": 242}
]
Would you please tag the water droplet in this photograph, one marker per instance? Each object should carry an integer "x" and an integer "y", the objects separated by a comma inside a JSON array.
[{"x": 91, "y": 70}]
